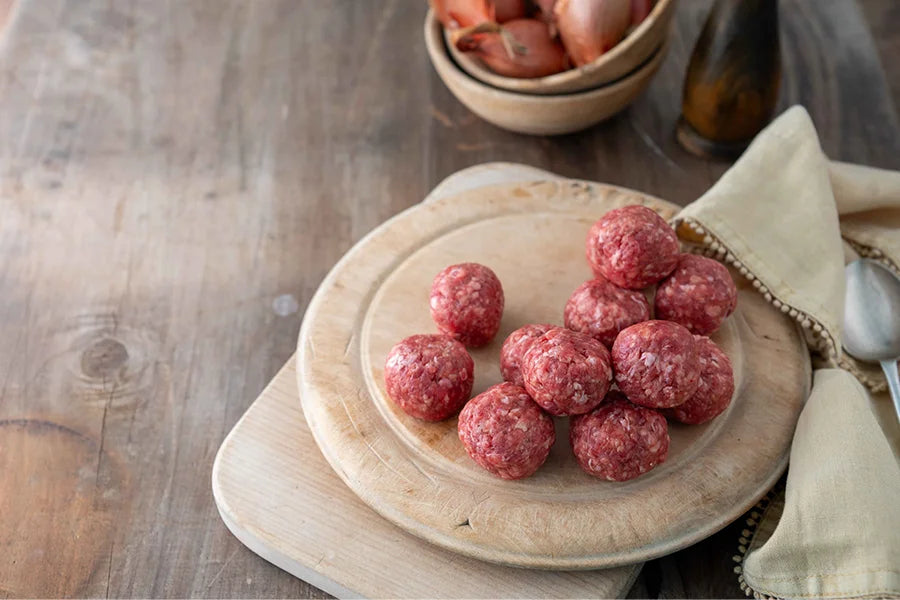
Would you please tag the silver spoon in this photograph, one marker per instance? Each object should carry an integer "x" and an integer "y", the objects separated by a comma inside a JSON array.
[{"x": 872, "y": 319}]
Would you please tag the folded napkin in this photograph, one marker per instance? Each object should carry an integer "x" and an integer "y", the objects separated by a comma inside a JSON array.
[{"x": 787, "y": 219}]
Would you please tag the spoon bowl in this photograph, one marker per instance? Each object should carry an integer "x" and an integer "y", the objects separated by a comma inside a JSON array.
[
  {"x": 872, "y": 318},
  {"x": 871, "y": 312}
]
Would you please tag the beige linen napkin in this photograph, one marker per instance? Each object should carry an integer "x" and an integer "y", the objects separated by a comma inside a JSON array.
[{"x": 786, "y": 218}]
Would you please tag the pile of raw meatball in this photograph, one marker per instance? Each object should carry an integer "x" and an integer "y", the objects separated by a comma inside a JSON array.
[{"x": 662, "y": 368}]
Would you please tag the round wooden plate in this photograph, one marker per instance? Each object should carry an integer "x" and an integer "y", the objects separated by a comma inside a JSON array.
[{"x": 418, "y": 475}]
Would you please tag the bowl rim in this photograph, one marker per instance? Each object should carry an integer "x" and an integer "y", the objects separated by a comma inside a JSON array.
[
  {"x": 571, "y": 75},
  {"x": 438, "y": 53}
]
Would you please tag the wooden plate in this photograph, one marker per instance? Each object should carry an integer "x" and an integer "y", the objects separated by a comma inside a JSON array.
[{"x": 418, "y": 475}]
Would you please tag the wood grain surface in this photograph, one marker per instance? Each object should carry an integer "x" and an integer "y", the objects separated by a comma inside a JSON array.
[{"x": 175, "y": 180}]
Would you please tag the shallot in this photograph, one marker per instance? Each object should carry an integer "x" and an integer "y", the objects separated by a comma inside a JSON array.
[
  {"x": 507, "y": 10},
  {"x": 544, "y": 12},
  {"x": 454, "y": 14},
  {"x": 534, "y": 53},
  {"x": 589, "y": 28},
  {"x": 639, "y": 11},
  {"x": 544, "y": 9}
]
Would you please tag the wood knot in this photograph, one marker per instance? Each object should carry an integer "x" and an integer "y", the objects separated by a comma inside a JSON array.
[
  {"x": 107, "y": 364},
  {"x": 104, "y": 358}
]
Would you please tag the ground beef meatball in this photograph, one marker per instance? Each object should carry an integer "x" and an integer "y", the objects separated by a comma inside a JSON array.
[
  {"x": 699, "y": 294},
  {"x": 505, "y": 432},
  {"x": 619, "y": 441},
  {"x": 514, "y": 348},
  {"x": 467, "y": 303},
  {"x": 429, "y": 376},
  {"x": 656, "y": 364},
  {"x": 716, "y": 386},
  {"x": 602, "y": 309},
  {"x": 632, "y": 246},
  {"x": 567, "y": 372}
]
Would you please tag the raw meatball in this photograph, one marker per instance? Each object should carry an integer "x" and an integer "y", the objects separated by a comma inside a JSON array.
[
  {"x": 716, "y": 386},
  {"x": 567, "y": 372},
  {"x": 656, "y": 364},
  {"x": 467, "y": 303},
  {"x": 619, "y": 441},
  {"x": 632, "y": 246},
  {"x": 602, "y": 309},
  {"x": 505, "y": 432},
  {"x": 429, "y": 376},
  {"x": 514, "y": 348},
  {"x": 699, "y": 294}
]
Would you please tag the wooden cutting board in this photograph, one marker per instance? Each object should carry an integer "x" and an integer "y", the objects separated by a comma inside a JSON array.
[
  {"x": 417, "y": 474},
  {"x": 279, "y": 496}
]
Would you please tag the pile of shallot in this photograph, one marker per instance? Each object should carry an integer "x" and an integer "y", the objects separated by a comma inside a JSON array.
[{"x": 536, "y": 38}]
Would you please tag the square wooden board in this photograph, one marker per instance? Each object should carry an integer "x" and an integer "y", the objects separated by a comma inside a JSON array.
[{"x": 279, "y": 497}]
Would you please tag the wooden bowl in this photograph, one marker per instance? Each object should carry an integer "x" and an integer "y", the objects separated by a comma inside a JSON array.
[
  {"x": 530, "y": 113},
  {"x": 624, "y": 58}
]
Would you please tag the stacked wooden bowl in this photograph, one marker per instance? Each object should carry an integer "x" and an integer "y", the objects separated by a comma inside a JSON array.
[{"x": 560, "y": 103}]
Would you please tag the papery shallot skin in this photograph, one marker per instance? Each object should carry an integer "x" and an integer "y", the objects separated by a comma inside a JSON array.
[
  {"x": 567, "y": 372},
  {"x": 514, "y": 348},
  {"x": 619, "y": 441},
  {"x": 429, "y": 376},
  {"x": 535, "y": 52},
  {"x": 716, "y": 387},
  {"x": 545, "y": 7},
  {"x": 505, "y": 432},
  {"x": 699, "y": 294},
  {"x": 656, "y": 364},
  {"x": 466, "y": 303},
  {"x": 602, "y": 309},
  {"x": 589, "y": 28},
  {"x": 544, "y": 13},
  {"x": 632, "y": 246}
]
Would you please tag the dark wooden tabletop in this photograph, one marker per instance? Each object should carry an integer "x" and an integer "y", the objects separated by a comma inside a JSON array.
[{"x": 169, "y": 169}]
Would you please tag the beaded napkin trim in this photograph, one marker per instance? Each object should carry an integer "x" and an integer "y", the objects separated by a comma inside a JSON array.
[
  {"x": 874, "y": 254},
  {"x": 817, "y": 337},
  {"x": 747, "y": 536}
]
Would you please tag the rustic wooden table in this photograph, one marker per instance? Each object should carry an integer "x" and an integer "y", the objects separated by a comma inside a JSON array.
[{"x": 175, "y": 180}]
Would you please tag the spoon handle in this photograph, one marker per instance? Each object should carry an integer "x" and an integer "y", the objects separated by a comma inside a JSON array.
[{"x": 890, "y": 371}]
